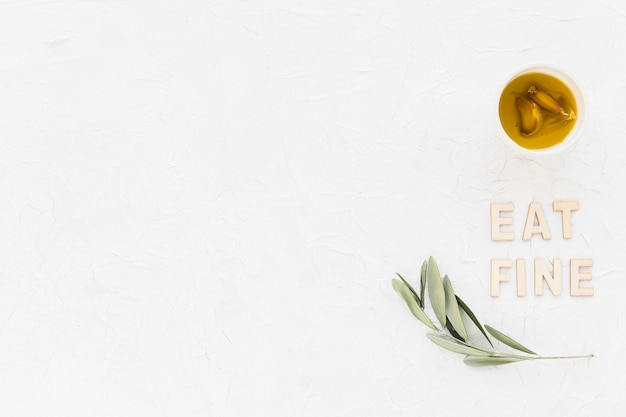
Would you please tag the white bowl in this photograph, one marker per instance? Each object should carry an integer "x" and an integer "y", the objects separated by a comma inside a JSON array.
[{"x": 574, "y": 134}]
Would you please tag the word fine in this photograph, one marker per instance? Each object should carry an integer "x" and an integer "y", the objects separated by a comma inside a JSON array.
[{"x": 536, "y": 224}]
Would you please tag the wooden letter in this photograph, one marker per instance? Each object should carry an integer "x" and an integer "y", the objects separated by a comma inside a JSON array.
[
  {"x": 542, "y": 273},
  {"x": 576, "y": 276},
  {"x": 566, "y": 208},
  {"x": 496, "y": 276},
  {"x": 520, "y": 277},
  {"x": 497, "y": 221},
  {"x": 536, "y": 212}
]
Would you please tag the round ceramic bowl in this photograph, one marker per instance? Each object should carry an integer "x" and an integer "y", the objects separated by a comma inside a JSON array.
[{"x": 575, "y": 131}]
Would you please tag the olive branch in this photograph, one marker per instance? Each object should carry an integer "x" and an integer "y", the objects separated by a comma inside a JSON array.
[{"x": 453, "y": 335}]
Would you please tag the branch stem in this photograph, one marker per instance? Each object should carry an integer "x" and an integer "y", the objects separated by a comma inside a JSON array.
[{"x": 566, "y": 357}]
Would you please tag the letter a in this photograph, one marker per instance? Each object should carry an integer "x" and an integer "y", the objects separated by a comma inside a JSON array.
[{"x": 536, "y": 212}]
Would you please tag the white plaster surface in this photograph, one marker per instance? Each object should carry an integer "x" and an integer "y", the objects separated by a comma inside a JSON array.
[{"x": 202, "y": 205}]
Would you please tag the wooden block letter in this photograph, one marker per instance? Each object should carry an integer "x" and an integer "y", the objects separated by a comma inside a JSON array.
[
  {"x": 497, "y": 276},
  {"x": 576, "y": 276},
  {"x": 520, "y": 277},
  {"x": 497, "y": 221},
  {"x": 536, "y": 212},
  {"x": 543, "y": 273},
  {"x": 566, "y": 208}
]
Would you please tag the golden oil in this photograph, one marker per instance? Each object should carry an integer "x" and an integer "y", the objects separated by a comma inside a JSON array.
[{"x": 554, "y": 128}]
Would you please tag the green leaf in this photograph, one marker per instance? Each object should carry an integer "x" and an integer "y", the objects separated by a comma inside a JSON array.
[
  {"x": 452, "y": 309},
  {"x": 471, "y": 315},
  {"x": 408, "y": 297},
  {"x": 436, "y": 292},
  {"x": 457, "y": 346},
  {"x": 453, "y": 332},
  {"x": 419, "y": 301},
  {"x": 507, "y": 340},
  {"x": 423, "y": 281},
  {"x": 491, "y": 360}
]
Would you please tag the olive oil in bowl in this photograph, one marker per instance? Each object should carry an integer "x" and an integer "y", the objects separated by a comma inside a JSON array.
[{"x": 538, "y": 110}]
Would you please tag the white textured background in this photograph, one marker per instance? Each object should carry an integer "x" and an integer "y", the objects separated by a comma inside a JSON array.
[{"x": 202, "y": 205}]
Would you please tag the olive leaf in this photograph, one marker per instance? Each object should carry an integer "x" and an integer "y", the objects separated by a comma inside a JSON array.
[
  {"x": 419, "y": 300},
  {"x": 409, "y": 298},
  {"x": 457, "y": 346},
  {"x": 472, "y": 317},
  {"x": 507, "y": 340},
  {"x": 472, "y": 360},
  {"x": 423, "y": 281},
  {"x": 436, "y": 292},
  {"x": 452, "y": 309},
  {"x": 453, "y": 332}
]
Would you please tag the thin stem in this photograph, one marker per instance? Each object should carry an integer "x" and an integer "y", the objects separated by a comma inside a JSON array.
[
  {"x": 503, "y": 354},
  {"x": 566, "y": 357},
  {"x": 525, "y": 357}
]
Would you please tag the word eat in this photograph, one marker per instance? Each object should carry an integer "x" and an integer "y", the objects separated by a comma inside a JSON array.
[{"x": 536, "y": 224}]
